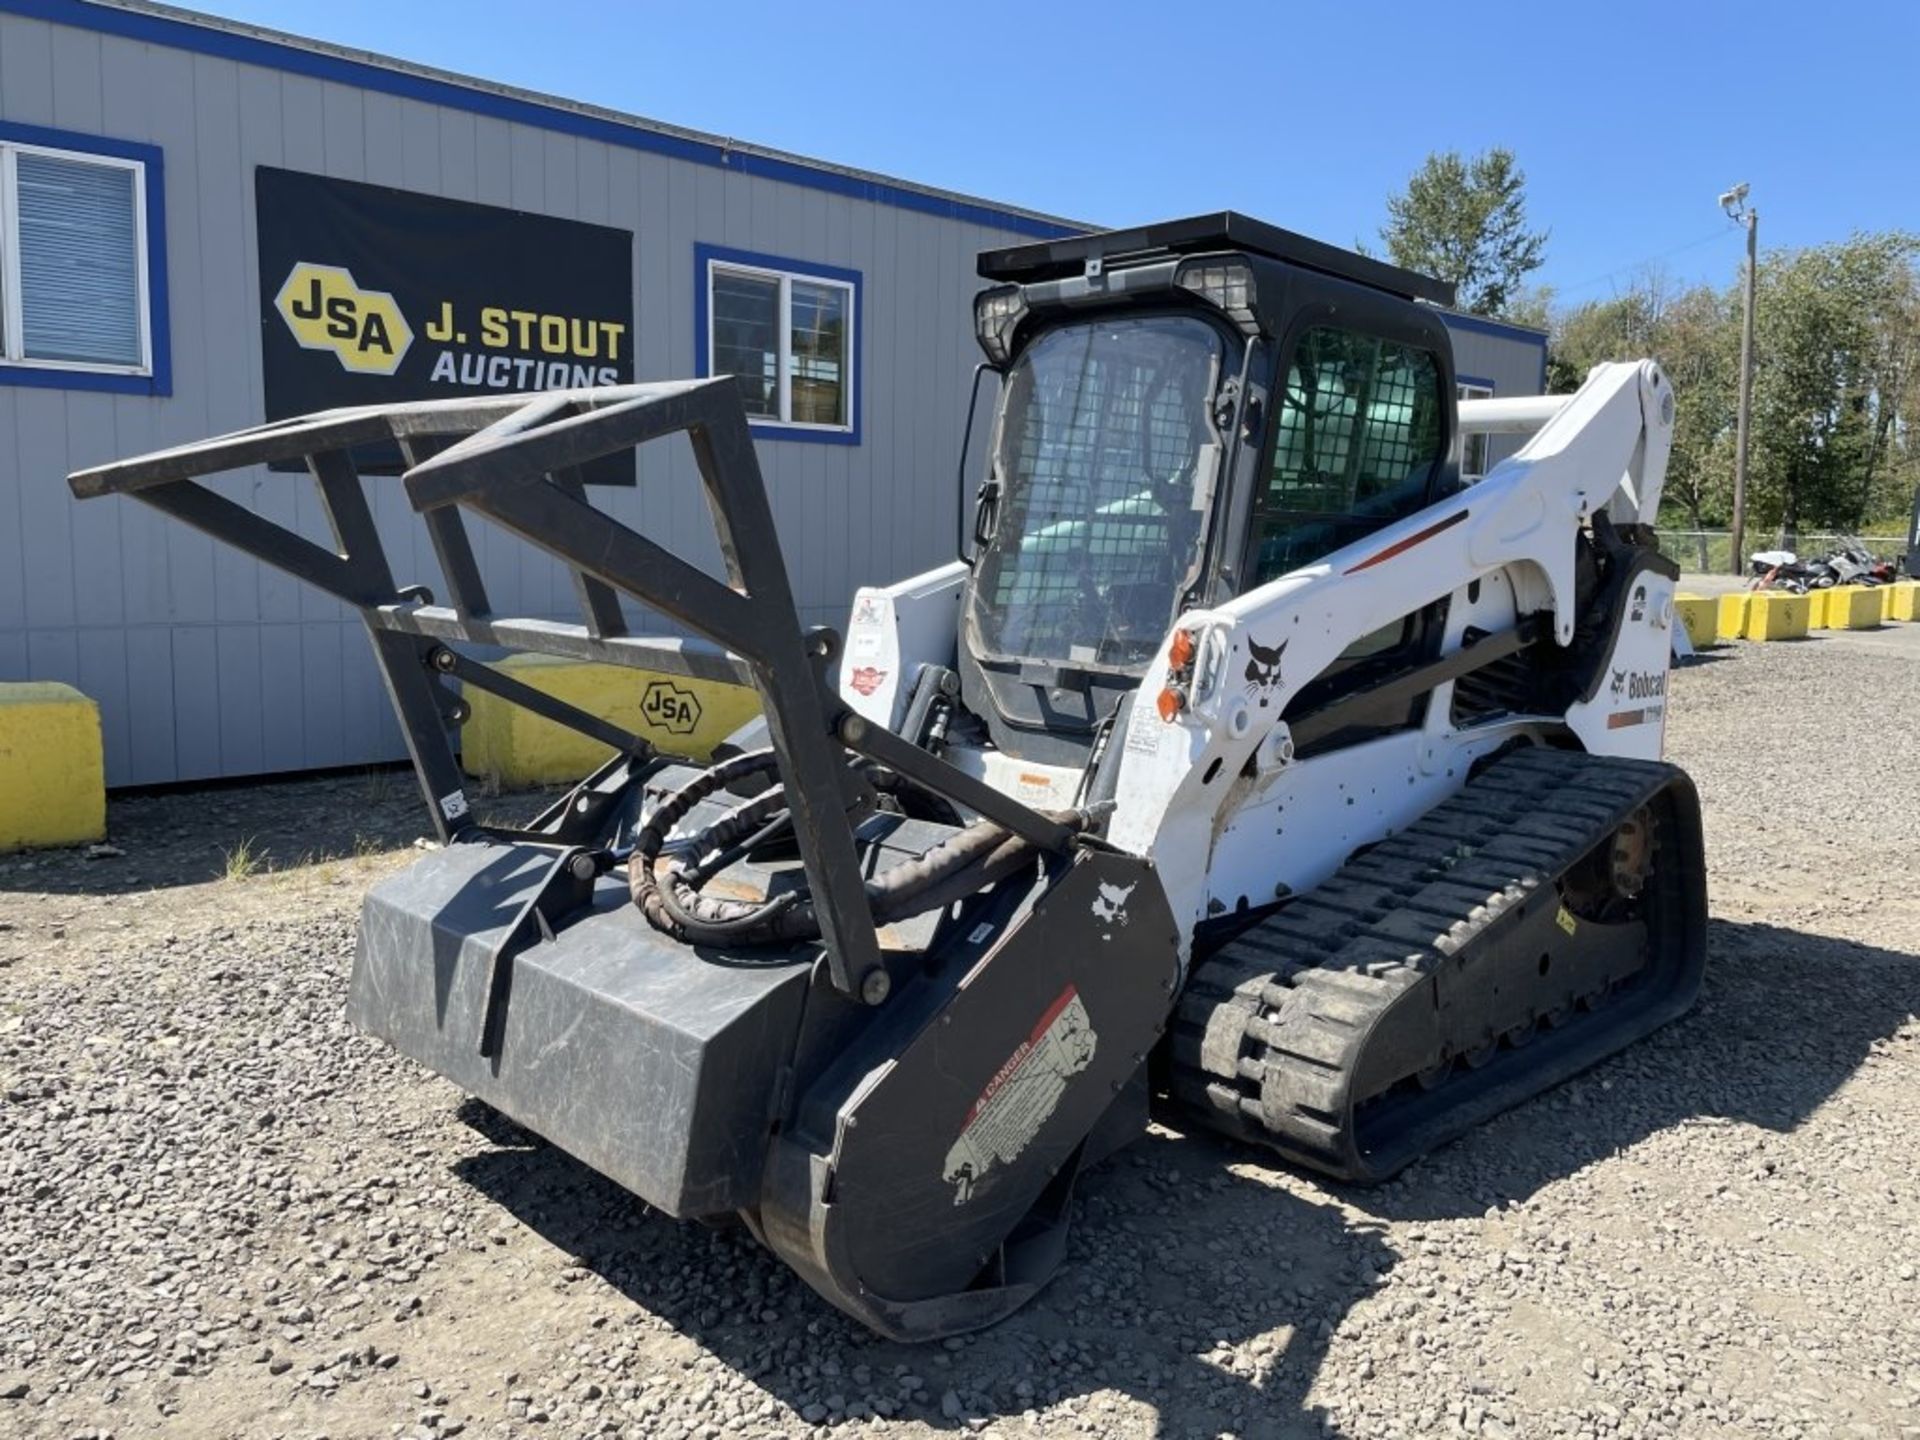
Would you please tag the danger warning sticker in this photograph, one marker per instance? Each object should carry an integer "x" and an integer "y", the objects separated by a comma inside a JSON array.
[{"x": 1022, "y": 1094}]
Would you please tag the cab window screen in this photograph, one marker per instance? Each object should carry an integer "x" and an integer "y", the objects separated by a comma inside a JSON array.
[
  {"x": 1357, "y": 445},
  {"x": 1104, "y": 432}
]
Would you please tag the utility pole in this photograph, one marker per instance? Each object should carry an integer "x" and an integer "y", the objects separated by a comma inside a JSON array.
[{"x": 1734, "y": 202}]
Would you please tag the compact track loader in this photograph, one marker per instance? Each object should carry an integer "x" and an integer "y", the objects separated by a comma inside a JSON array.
[{"x": 1247, "y": 763}]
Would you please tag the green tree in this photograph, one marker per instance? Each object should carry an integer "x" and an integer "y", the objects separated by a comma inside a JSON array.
[
  {"x": 1697, "y": 342},
  {"x": 1466, "y": 221},
  {"x": 1833, "y": 342},
  {"x": 1833, "y": 443}
]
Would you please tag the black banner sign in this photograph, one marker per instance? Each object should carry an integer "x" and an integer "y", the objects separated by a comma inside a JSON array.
[{"x": 369, "y": 294}]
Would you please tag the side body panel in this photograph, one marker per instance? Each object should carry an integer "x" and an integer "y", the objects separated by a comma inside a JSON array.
[{"x": 893, "y": 631}]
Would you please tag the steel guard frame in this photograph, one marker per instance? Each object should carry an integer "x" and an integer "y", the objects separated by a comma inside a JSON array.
[{"x": 516, "y": 460}]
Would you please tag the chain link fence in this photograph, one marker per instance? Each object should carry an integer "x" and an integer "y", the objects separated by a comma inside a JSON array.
[{"x": 1711, "y": 551}]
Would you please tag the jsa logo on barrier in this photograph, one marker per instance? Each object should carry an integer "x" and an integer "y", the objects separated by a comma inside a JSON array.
[{"x": 327, "y": 310}]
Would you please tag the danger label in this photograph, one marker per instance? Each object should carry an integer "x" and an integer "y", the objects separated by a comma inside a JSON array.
[{"x": 1022, "y": 1094}]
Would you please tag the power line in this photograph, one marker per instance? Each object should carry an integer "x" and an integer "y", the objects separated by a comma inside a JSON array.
[{"x": 1719, "y": 234}]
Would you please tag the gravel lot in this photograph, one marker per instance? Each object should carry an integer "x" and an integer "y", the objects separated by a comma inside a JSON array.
[{"x": 223, "y": 1214}]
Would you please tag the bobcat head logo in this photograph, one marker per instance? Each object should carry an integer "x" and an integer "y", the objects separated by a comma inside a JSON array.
[
  {"x": 1110, "y": 905},
  {"x": 1619, "y": 686},
  {"x": 1263, "y": 668}
]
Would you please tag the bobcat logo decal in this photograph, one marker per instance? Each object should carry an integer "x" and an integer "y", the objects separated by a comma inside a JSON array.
[
  {"x": 1619, "y": 686},
  {"x": 1110, "y": 905},
  {"x": 1263, "y": 668}
]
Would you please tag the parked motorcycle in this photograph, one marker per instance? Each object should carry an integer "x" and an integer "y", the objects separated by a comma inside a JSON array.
[{"x": 1848, "y": 563}]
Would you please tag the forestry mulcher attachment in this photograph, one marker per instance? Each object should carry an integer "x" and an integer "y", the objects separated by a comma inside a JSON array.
[{"x": 1248, "y": 762}]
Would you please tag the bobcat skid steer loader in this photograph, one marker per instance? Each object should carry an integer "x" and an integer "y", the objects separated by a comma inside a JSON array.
[{"x": 1247, "y": 763}]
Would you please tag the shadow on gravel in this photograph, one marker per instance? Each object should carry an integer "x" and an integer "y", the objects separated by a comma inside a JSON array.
[
  {"x": 1174, "y": 1254},
  {"x": 1784, "y": 1018},
  {"x": 1171, "y": 1255}
]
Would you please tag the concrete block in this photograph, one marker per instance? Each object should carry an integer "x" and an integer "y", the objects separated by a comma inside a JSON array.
[
  {"x": 1853, "y": 607},
  {"x": 518, "y": 748},
  {"x": 1903, "y": 600},
  {"x": 1700, "y": 615},
  {"x": 53, "y": 787},
  {"x": 1733, "y": 615},
  {"x": 1773, "y": 615},
  {"x": 1817, "y": 609}
]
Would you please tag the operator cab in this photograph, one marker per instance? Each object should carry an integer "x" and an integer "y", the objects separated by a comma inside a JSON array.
[{"x": 1187, "y": 411}]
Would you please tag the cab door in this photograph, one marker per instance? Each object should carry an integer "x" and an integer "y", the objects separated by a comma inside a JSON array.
[{"x": 1362, "y": 426}]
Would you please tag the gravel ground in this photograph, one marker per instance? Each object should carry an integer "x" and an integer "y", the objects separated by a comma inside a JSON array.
[{"x": 223, "y": 1214}]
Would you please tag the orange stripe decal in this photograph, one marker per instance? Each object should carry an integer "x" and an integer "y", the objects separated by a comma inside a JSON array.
[{"x": 1400, "y": 547}]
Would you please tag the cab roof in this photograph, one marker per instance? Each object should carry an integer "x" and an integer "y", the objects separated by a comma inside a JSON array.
[{"x": 1222, "y": 230}]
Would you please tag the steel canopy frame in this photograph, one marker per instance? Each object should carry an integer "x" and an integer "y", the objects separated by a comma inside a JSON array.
[
  {"x": 502, "y": 472},
  {"x": 515, "y": 460}
]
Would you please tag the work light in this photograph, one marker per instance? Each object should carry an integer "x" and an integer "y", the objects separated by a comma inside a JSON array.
[
  {"x": 1226, "y": 284},
  {"x": 996, "y": 315}
]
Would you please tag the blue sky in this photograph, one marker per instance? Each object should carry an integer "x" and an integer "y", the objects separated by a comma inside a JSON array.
[{"x": 1629, "y": 118}]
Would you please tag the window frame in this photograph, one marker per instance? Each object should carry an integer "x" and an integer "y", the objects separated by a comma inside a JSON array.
[
  {"x": 1481, "y": 390},
  {"x": 1340, "y": 305},
  {"x": 709, "y": 261},
  {"x": 1359, "y": 312},
  {"x": 153, "y": 375}
]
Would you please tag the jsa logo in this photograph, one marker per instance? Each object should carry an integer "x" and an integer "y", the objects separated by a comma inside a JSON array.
[{"x": 326, "y": 310}]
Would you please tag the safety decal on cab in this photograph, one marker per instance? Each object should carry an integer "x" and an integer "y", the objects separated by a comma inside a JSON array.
[
  {"x": 1021, "y": 1096},
  {"x": 866, "y": 679}
]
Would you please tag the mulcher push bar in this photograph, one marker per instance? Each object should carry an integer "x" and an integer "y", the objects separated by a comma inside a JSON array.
[{"x": 516, "y": 461}]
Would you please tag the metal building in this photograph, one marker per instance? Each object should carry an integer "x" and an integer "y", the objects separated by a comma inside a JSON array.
[
  {"x": 1495, "y": 357},
  {"x": 204, "y": 225}
]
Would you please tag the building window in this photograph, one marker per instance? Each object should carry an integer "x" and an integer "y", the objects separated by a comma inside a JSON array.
[
  {"x": 83, "y": 263},
  {"x": 73, "y": 261},
  {"x": 1473, "y": 448},
  {"x": 789, "y": 332}
]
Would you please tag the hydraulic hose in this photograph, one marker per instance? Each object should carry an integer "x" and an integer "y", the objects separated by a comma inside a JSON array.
[{"x": 980, "y": 855}]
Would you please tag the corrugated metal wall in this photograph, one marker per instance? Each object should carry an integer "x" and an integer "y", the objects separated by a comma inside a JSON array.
[
  {"x": 207, "y": 664},
  {"x": 1508, "y": 358}
]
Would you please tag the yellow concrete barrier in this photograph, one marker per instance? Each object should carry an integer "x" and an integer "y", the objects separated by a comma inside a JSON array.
[
  {"x": 1853, "y": 607},
  {"x": 1733, "y": 614},
  {"x": 1773, "y": 616},
  {"x": 1700, "y": 614},
  {"x": 1903, "y": 600},
  {"x": 516, "y": 747},
  {"x": 53, "y": 788},
  {"x": 1817, "y": 609}
]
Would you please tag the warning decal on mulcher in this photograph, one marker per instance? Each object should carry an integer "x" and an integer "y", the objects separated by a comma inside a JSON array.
[{"x": 1022, "y": 1094}]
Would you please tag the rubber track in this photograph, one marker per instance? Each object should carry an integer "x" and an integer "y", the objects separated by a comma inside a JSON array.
[{"x": 1272, "y": 1027}]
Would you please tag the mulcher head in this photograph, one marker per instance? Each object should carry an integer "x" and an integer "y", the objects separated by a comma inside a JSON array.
[{"x": 841, "y": 989}]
